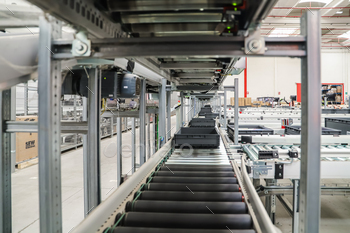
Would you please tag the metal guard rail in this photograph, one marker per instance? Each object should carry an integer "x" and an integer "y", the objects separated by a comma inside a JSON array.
[
  {"x": 98, "y": 216},
  {"x": 265, "y": 222}
]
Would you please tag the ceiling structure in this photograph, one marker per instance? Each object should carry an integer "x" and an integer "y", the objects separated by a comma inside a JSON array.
[
  {"x": 335, "y": 22},
  {"x": 185, "y": 18}
]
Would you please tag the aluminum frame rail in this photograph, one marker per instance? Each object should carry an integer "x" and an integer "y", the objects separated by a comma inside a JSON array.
[{"x": 98, "y": 217}]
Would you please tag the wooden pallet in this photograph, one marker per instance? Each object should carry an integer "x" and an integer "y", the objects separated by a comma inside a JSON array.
[{"x": 27, "y": 163}]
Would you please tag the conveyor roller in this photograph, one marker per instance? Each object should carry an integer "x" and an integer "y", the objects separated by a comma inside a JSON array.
[{"x": 190, "y": 198}]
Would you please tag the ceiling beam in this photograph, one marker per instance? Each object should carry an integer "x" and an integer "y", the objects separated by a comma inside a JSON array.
[{"x": 189, "y": 65}]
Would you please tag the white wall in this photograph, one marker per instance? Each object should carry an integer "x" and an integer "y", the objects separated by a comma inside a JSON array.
[{"x": 278, "y": 76}]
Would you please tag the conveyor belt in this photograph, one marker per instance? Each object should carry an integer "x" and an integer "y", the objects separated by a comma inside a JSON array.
[{"x": 191, "y": 198}]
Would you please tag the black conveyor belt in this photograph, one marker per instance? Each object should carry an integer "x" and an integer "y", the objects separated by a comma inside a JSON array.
[{"x": 180, "y": 198}]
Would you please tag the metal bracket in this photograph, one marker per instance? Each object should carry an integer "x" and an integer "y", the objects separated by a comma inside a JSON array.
[
  {"x": 254, "y": 43},
  {"x": 81, "y": 45},
  {"x": 279, "y": 171},
  {"x": 260, "y": 168}
]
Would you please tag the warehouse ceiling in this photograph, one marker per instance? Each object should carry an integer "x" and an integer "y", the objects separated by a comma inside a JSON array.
[{"x": 187, "y": 18}]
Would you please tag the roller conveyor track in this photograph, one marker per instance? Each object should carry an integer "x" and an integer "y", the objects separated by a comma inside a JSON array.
[{"x": 191, "y": 198}]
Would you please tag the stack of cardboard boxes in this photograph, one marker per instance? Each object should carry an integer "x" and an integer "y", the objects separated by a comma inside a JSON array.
[
  {"x": 26, "y": 143},
  {"x": 241, "y": 101}
]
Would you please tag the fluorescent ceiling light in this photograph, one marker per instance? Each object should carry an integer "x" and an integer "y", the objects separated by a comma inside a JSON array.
[
  {"x": 282, "y": 32},
  {"x": 345, "y": 35},
  {"x": 320, "y": 1},
  {"x": 339, "y": 12}
]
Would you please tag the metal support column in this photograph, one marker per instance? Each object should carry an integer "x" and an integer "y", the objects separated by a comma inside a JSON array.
[
  {"x": 13, "y": 136},
  {"x": 111, "y": 121},
  {"x": 219, "y": 109},
  {"x": 236, "y": 111},
  {"x": 25, "y": 104},
  {"x": 133, "y": 145},
  {"x": 119, "y": 151},
  {"x": 270, "y": 202},
  {"x": 295, "y": 225},
  {"x": 49, "y": 127},
  {"x": 91, "y": 160},
  {"x": 309, "y": 220},
  {"x": 225, "y": 109},
  {"x": 162, "y": 113},
  {"x": 182, "y": 108},
  {"x": 168, "y": 107},
  {"x": 5, "y": 165},
  {"x": 148, "y": 136},
  {"x": 142, "y": 143}
]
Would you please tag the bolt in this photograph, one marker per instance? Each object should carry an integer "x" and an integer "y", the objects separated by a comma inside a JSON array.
[
  {"x": 280, "y": 167},
  {"x": 280, "y": 174}
]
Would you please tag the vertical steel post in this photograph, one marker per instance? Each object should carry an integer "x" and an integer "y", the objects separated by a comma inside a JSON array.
[
  {"x": 133, "y": 145},
  {"x": 91, "y": 160},
  {"x": 5, "y": 165},
  {"x": 13, "y": 135},
  {"x": 49, "y": 128},
  {"x": 75, "y": 119},
  {"x": 162, "y": 113},
  {"x": 111, "y": 121},
  {"x": 25, "y": 104},
  {"x": 168, "y": 129},
  {"x": 119, "y": 151},
  {"x": 270, "y": 202},
  {"x": 182, "y": 108},
  {"x": 148, "y": 136},
  {"x": 225, "y": 109},
  {"x": 219, "y": 109},
  {"x": 142, "y": 125},
  {"x": 309, "y": 220},
  {"x": 236, "y": 111},
  {"x": 295, "y": 225}
]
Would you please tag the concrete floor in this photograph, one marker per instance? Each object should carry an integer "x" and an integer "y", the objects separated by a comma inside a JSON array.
[{"x": 25, "y": 199}]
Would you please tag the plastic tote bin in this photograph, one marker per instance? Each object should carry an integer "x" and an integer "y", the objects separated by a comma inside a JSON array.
[
  {"x": 205, "y": 137},
  {"x": 342, "y": 124},
  {"x": 296, "y": 130},
  {"x": 202, "y": 122}
]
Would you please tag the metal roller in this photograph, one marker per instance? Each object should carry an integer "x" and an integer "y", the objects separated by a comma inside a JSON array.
[
  {"x": 191, "y": 196},
  {"x": 194, "y": 174},
  {"x": 196, "y": 180},
  {"x": 194, "y": 187},
  {"x": 167, "y": 230},
  {"x": 193, "y": 221},
  {"x": 204, "y": 168},
  {"x": 188, "y": 207}
]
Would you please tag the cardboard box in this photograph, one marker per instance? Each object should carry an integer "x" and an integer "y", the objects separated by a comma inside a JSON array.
[
  {"x": 26, "y": 143},
  {"x": 240, "y": 101},
  {"x": 247, "y": 101}
]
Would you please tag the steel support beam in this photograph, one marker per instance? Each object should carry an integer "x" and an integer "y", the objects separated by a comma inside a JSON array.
[
  {"x": 182, "y": 108},
  {"x": 119, "y": 152},
  {"x": 133, "y": 145},
  {"x": 168, "y": 107},
  {"x": 270, "y": 203},
  {"x": 162, "y": 113},
  {"x": 189, "y": 65},
  {"x": 49, "y": 136},
  {"x": 5, "y": 165},
  {"x": 184, "y": 46},
  {"x": 13, "y": 136},
  {"x": 142, "y": 125},
  {"x": 91, "y": 160},
  {"x": 309, "y": 220},
  {"x": 225, "y": 109},
  {"x": 295, "y": 224},
  {"x": 236, "y": 111},
  {"x": 148, "y": 136}
]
